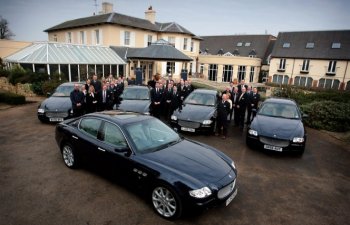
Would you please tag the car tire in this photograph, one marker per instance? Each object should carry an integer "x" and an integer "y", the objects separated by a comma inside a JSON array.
[
  {"x": 69, "y": 156},
  {"x": 166, "y": 202}
]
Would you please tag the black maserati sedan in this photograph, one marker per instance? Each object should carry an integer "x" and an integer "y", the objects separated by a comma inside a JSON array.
[
  {"x": 135, "y": 99},
  {"x": 176, "y": 174},
  {"x": 198, "y": 112},
  {"x": 278, "y": 126},
  {"x": 58, "y": 106}
]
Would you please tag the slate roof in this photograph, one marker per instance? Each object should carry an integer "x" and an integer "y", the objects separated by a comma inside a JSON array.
[
  {"x": 57, "y": 53},
  {"x": 160, "y": 50},
  {"x": 230, "y": 43},
  {"x": 322, "y": 45},
  {"x": 124, "y": 20}
]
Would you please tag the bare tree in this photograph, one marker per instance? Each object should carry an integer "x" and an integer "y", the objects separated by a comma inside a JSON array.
[{"x": 5, "y": 32}]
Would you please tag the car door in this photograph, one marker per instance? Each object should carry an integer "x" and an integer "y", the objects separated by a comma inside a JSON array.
[
  {"x": 87, "y": 139},
  {"x": 118, "y": 156}
]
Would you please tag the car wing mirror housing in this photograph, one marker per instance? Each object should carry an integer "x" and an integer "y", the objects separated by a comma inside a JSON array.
[{"x": 125, "y": 150}]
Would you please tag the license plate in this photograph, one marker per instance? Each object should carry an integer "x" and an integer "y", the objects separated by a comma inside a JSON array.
[
  {"x": 188, "y": 129},
  {"x": 229, "y": 200},
  {"x": 273, "y": 148},
  {"x": 56, "y": 119}
]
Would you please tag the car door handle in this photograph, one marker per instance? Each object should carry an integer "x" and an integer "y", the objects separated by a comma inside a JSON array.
[
  {"x": 101, "y": 149},
  {"x": 75, "y": 137}
]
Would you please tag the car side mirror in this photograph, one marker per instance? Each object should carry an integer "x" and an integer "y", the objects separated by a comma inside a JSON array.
[{"x": 125, "y": 150}]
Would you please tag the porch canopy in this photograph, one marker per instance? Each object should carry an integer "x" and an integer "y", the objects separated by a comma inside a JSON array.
[
  {"x": 62, "y": 54},
  {"x": 160, "y": 50}
]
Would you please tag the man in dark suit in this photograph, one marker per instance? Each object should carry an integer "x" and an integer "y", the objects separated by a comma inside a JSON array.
[
  {"x": 255, "y": 101},
  {"x": 98, "y": 88},
  {"x": 167, "y": 96},
  {"x": 241, "y": 85},
  {"x": 242, "y": 106},
  {"x": 249, "y": 105},
  {"x": 175, "y": 101},
  {"x": 106, "y": 98},
  {"x": 182, "y": 90},
  {"x": 156, "y": 99},
  {"x": 77, "y": 99},
  {"x": 223, "y": 109}
]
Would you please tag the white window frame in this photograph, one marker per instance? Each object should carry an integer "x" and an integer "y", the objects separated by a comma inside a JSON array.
[
  {"x": 185, "y": 44},
  {"x": 69, "y": 37},
  {"x": 82, "y": 37},
  {"x": 282, "y": 65},
  {"x": 97, "y": 36},
  {"x": 192, "y": 46},
  {"x": 306, "y": 65},
  {"x": 241, "y": 72},
  {"x": 149, "y": 39},
  {"x": 332, "y": 67},
  {"x": 213, "y": 72},
  {"x": 227, "y": 69},
  {"x": 251, "y": 74},
  {"x": 127, "y": 38},
  {"x": 172, "y": 40}
]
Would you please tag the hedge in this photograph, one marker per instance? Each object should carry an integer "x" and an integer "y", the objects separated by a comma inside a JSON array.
[{"x": 11, "y": 98}]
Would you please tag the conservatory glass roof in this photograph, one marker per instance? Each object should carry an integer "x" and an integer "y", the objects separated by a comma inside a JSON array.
[{"x": 62, "y": 53}]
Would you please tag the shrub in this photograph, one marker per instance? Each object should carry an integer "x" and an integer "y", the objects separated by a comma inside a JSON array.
[
  {"x": 11, "y": 98},
  {"x": 328, "y": 115},
  {"x": 4, "y": 72}
]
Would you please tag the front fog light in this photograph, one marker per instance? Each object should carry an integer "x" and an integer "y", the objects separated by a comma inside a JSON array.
[
  {"x": 201, "y": 193},
  {"x": 173, "y": 118},
  {"x": 41, "y": 110}
]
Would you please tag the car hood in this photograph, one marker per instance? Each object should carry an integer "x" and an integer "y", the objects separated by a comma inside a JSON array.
[
  {"x": 196, "y": 113},
  {"x": 191, "y": 161},
  {"x": 57, "y": 103},
  {"x": 280, "y": 128},
  {"x": 140, "y": 106}
]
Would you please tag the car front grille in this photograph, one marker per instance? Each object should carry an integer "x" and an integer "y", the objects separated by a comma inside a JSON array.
[
  {"x": 189, "y": 124},
  {"x": 223, "y": 192},
  {"x": 274, "y": 142},
  {"x": 56, "y": 114}
]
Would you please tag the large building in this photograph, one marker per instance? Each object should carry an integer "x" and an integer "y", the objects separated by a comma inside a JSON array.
[
  {"x": 312, "y": 59},
  {"x": 235, "y": 57},
  {"x": 114, "y": 29}
]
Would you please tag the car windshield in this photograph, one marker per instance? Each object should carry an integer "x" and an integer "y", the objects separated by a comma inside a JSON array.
[
  {"x": 136, "y": 94},
  {"x": 279, "y": 110},
  {"x": 63, "y": 91},
  {"x": 197, "y": 98},
  {"x": 151, "y": 135}
]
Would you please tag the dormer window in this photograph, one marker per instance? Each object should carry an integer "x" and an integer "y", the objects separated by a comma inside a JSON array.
[
  {"x": 239, "y": 44},
  {"x": 336, "y": 45},
  {"x": 310, "y": 45},
  {"x": 235, "y": 52},
  {"x": 286, "y": 45}
]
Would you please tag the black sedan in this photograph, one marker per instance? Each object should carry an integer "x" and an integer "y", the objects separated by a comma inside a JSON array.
[
  {"x": 198, "y": 112},
  {"x": 58, "y": 106},
  {"x": 135, "y": 99},
  {"x": 278, "y": 127},
  {"x": 177, "y": 173}
]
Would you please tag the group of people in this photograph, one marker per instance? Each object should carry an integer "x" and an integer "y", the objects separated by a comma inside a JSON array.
[
  {"x": 237, "y": 101},
  {"x": 167, "y": 95},
  {"x": 96, "y": 95}
]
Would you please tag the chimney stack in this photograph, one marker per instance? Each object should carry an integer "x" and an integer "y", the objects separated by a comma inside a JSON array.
[
  {"x": 107, "y": 7},
  {"x": 150, "y": 15}
]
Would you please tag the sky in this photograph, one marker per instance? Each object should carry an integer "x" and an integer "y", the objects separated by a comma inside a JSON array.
[{"x": 29, "y": 18}]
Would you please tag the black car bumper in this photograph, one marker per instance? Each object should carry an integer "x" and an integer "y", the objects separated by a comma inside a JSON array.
[{"x": 271, "y": 144}]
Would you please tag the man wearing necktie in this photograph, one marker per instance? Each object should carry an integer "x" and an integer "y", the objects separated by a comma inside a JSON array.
[
  {"x": 156, "y": 99},
  {"x": 242, "y": 106},
  {"x": 223, "y": 109}
]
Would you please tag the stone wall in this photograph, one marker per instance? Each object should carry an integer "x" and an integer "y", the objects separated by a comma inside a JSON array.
[{"x": 21, "y": 89}]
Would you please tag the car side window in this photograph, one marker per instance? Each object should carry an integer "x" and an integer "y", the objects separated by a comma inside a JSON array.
[
  {"x": 90, "y": 126},
  {"x": 113, "y": 135}
]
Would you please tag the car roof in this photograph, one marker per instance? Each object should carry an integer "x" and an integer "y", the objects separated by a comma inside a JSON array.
[
  {"x": 206, "y": 91},
  {"x": 281, "y": 100},
  {"x": 120, "y": 117},
  {"x": 71, "y": 83}
]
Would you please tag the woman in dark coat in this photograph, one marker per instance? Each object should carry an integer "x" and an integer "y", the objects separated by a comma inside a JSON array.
[{"x": 91, "y": 100}]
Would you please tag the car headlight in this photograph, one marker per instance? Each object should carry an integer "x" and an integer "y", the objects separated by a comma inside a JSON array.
[
  {"x": 253, "y": 132},
  {"x": 207, "y": 122},
  {"x": 233, "y": 165},
  {"x": 201, "y": 193},
  {"x": 41, "y": 110},
  {"x": 173, "y": 117},
  {"x": 298, "y": 140}
]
